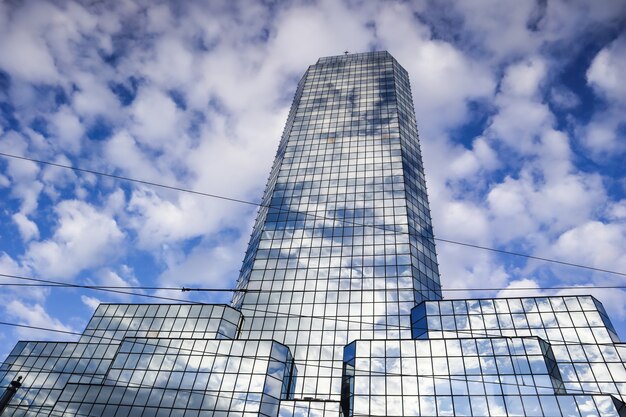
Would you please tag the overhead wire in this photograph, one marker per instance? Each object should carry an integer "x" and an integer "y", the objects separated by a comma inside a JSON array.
[
  {"x": 61, "y": 284},
  {"x": 469, "y": 332},
  {"x": 277, "y": 313},
  {"x": 282, "y": 209},
  {"x": 95, "y": 288}
]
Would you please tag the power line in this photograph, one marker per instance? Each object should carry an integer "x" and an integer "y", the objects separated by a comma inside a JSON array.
[
  {"x": 275, "y": 314},
  {"x": 251, "y": 203},
  {"x": 52, "y": 284},
  {"x": 484, "y": 335},
  {"x": 123, "y": 178},
  {"x": 47, "y": 329},
  {"x": 186, "y": 289},
  {"x": 65, "y": 284}
]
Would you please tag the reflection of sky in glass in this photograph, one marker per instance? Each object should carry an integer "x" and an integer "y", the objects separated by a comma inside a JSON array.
[
  {"x": 470, "y": 376},
  {"x": 344, "y": 236}
]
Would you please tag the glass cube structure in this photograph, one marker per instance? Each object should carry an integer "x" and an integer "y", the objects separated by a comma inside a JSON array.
[{"x": 338, "y": 308}]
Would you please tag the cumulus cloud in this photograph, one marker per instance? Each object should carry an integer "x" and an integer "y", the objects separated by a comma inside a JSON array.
[
  {"x": 443, "y": 78},
  {"x": 602, "y": 134},
  {"x": 25, "y": 54},
  {"x": 208, "y": 265},
  {"x": 594, "y": 243},
  {"x": 36, "y": 315},
  {"x": 91, "y": 302},
  {"x": 155, "y": 119},
  {"x": 522, "y": 288},
  {"x": 84, "y": 238},
  {"x": 605, "y": 71},
  {"x": 68, "y": 129},
  {"x": 196, "y": 96},
  {"x": 28, "y": 228}
]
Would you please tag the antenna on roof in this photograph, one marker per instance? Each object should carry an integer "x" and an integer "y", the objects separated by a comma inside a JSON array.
[{"x": 346, "y": 52}]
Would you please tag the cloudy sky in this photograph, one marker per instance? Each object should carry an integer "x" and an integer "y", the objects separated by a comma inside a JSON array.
[{"x": 520, "y": 107}]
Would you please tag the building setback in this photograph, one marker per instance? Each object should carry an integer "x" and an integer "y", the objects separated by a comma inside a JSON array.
[{"x": 338, "y": 308}]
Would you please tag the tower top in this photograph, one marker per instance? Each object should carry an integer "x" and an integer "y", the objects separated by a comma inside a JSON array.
[{"x": 358, "y": 56}]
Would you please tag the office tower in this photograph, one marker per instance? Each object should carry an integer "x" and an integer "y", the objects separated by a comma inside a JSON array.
[
  {"x": 341, "y": 249},
  {"x": 338, "y": 308}
]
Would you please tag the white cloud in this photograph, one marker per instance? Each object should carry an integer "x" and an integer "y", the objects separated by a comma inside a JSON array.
[
  {"x": 524, "y": 287},
  {"x": 93, "y": 97},
  {"x": 23, "y": 50},
  {"x": 471, "y": 162},
  {"x": 10, "y": 266},
  {"x": 524, "y": 78},
  {"x": 22, "y": 174},
  {"x": 564, "y": 98},
  {"x": 4, "y": 181},
  {"x": 463, "y": 267},
  {"x": 498, "y": 27},
  {"x": 160, "y": 221},
  {"x": 464, "y": 220},
  {"x": 28, "y": 229},
  {"x": 524, "y": 207},
  {"x": 122, "y": 151},
  {"x": 90, "y": 302},
  {"x": 605, "y": 72},
  {"x": 602, "y": 134},
  {"x": 35, "y": 315},
  {"x": 521, "y": 116},
  {"x": 84, "y": 238},
  {"x": 617, "y": 210},
  {"x": 155, "y": 119},
  {"x": 215, "y": 265},
  {"x": 593, "y": 243},
  {"x": 68, "y": 129},
  {"x": 122, "y": 278}
]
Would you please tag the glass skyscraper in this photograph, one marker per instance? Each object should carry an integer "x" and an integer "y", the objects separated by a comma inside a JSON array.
[
  {"x": 338, "y": 308},
  {"x": 341, "y": 249}
]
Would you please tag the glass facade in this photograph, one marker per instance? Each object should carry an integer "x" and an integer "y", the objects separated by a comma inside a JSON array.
[
  {"x": 338, "y": 309},
  {"x": 340, "y": 250}
]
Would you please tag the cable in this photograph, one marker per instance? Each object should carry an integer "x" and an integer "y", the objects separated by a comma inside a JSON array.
[
  {"x": 470, "y": 332},
  {"x": 278, "y": 314},
  {"x": 50, "y": 283},
  {"x": 130, "y": 287},
  {"x": 273, "y": 314},
  {"x": 120, "y": 177},
  {"x": 241, "y": 201},
  {"x": 65, "y": 284},
  {"x": 26, "y": 326}
]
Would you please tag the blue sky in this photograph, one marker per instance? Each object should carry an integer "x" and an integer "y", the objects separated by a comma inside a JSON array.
[{"x": 520, "y": 107}]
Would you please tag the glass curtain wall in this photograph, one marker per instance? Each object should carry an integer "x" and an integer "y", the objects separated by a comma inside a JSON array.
[{"x": 342, "y": 248}]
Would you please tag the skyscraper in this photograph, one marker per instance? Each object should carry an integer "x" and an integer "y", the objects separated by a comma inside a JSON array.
[
  {"x": 341, "y": 249},
  {"x": 338, "y": 308}
]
